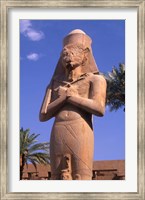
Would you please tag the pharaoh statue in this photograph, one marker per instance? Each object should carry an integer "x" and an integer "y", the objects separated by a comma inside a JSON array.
[{"x": 75, "y": 93}]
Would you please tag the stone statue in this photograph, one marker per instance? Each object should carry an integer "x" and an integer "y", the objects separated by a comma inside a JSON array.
[{"x": 76, "y": 91}]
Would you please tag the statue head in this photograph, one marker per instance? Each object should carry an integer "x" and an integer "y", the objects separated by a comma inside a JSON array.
[
  {"x": 77, "y": 177},
  {"x": 65, "y": 175},
  {"x": 76, "y": 52}
]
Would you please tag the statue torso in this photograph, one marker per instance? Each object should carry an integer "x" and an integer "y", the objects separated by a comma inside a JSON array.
[{"x": 69, "y": 112}]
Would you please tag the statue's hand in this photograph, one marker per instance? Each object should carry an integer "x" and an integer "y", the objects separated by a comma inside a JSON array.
[
  {"x": 71, "y": 91},
  {"x": 62, "y": 91}
]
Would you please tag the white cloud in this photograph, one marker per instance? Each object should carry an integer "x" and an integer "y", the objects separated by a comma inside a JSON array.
[
  {"x": 34, "y": 35},
  {"x": 28, "y": 31},
  {"x": 25, "y": 25},
  {"x": 33, "y": 56}
]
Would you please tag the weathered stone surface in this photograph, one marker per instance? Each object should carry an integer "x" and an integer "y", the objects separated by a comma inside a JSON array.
[{"x": 75, "y": 92}]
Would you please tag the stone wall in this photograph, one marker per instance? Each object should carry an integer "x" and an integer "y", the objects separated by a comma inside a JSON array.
[{"x": 102, "y": 170}]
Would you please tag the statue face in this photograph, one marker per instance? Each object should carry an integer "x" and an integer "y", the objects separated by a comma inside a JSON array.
[
  {"x": 65, "y": 176},
  {"x": 72, "y": 57},
  {"x": 77, "y": 177}
]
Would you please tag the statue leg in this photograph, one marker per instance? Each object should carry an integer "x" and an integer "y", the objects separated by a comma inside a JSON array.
[
  {"x": 56, "y": 152},
  {"x": 81, "y": 170},
  {"x": 75, "y": 142},
  {"x": 83, "y": 150}
]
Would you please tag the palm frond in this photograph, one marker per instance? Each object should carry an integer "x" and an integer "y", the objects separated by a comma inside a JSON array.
[
  {"x": 31, "y": 151},
  {"x": 39, "y": 146},
  {"x": 116, "y": 87}
]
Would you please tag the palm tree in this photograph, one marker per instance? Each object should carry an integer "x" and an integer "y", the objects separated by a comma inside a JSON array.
[
  {"x": 31, "y": 151},
  {"x": 116, "y": 88}
]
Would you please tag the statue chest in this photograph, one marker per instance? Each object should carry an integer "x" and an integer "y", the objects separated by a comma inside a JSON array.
[{"x": 82, "y": 86}]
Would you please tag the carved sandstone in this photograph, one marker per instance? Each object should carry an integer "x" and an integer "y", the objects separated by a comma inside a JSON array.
[{"x": 75, "y": 92}]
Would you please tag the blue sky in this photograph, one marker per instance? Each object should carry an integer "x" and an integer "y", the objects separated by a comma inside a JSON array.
[{"x": 40, "y": 47}]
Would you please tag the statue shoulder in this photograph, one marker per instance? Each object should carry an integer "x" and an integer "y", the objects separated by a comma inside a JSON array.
[{"x": 97, "y": 77}]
